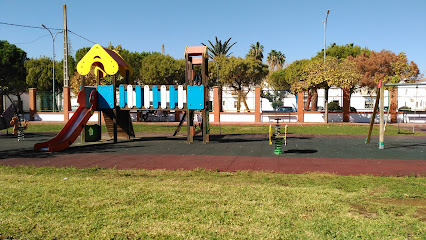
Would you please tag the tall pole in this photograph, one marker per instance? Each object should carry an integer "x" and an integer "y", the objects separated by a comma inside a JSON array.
[
  {"x": 325, "y": 47},
  {"x": 53, "y": 70},
  {"x": 66, "y": 76},
  {"x": 382, "y": 118}
]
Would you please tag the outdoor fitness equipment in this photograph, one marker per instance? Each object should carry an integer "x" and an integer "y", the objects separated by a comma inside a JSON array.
[{"x": 276, "y": 135}]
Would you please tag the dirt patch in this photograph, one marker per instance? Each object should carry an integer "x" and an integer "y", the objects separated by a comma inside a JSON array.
[
  {"x": 413, "y": 202},
  {"x": 362, "y": 210},
  {"x": 420, "y": 203}
]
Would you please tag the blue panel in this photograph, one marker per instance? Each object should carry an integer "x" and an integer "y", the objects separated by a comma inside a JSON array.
[
  {"x": 88, "y": 91},
  {"x": 123, "y": 96},
  {"x": 172, "y": 91},
  {"x": 106, "y": 97},
  {"x": 155, "y": 98},
  {"x": 139, "y": 96},
  {"x": 195, "y": 97}
]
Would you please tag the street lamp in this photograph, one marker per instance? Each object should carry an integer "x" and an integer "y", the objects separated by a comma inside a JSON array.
[
  {"x": 325, "y": 46},
  {"x": 325, "y": 33},
  {"x": 53, "y": 71}
]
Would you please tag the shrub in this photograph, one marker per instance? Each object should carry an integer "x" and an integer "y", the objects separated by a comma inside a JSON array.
[{"x": 334, "y": 106}]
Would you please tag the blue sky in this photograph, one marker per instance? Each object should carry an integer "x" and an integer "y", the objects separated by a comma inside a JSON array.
[{"x": 292, "y": 27}]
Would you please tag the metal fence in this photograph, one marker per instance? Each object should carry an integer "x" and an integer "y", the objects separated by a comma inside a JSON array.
[
  {"x": 272, "y": 100},
  {"x": 45, "y": 102},
  {"x": 238, "y": 101}
]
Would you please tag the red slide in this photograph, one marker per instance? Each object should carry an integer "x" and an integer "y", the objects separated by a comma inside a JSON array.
[{"x": 73, "y": 127}]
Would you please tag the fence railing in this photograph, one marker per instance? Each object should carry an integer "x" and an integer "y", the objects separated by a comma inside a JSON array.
[
  {"x": 45, "y": 102},
  {"x": 238, "y": 101}
]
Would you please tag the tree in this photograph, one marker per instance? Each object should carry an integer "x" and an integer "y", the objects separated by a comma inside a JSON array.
[
  {"x": 80, "y": 53},
  {"x": 219, "y": 48},
  {"x": 256, "y": 51},
  {"x": 239, "y": 73},
  {"x": 159, "y": 69},
  {"x": 284, "y": 78},
  {"x": 39, "y": 74},
  {"x": 134, "y": 59},
  {"x": 340, "y": 73},
  {"x": 385, "y": 66},
  {"x": 12, "y": 69},
  {"x": 342, "y": 51},
  {"x": 276, "y": 60}
]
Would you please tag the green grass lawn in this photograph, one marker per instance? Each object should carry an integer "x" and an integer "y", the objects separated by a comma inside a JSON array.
[
  {"x": 66, "y": 203},
  {"x": 339, "y": 129}
]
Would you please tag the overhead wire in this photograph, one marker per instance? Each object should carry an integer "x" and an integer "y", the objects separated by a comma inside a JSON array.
[
  {"x": 27, "y": 26},
  {"x": 35, "y": 27},
  {"x": 33, "y": 40}
]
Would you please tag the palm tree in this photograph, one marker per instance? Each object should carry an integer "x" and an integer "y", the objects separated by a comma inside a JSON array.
[
  {"x": 219, "y": 48},
  {"x": 280, "y": 60},
  {"x": 272, "y": 59},
  {"x": 276, "y": 60},
  {"x": 256, "y": 51}
]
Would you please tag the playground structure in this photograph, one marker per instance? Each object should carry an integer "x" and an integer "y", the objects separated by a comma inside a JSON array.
[
  {"x": 12, "y": 117},
  {"x": 379, "y": 105},
  {"x": 278, "y": 138},
  {"x": 188, "y": 98}
]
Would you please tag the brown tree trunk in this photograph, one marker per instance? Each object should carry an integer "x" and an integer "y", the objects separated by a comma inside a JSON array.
[
  {"x": 245, "y": 102},
  {"x": 314, "y": 102},
  {"x": 239, "y": 100},
  {"x": 346, "y": 104},
  {"x": 394, "y": 105},
  {"x": 308, "y": 102}
]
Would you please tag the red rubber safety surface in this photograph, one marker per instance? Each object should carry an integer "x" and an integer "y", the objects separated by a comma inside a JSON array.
[
  {"x": 344, "y": 155},
  {"x": 345, "y": 166}
]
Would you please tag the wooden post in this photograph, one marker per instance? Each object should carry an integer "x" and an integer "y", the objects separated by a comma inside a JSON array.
[
  {"x": 382, "y": 117},
  {"x": 376, "y": 105},
  {"x": 189, "y": 125},
  {"x": 32, "y": 92},
  {"x": 204, "y": 112}
]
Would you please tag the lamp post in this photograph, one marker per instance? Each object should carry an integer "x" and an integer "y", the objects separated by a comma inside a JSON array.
[
  {"x": 325, "y": 33},
  {"x": 326, "y": 90},
  {"x": 53, "y": 71}
]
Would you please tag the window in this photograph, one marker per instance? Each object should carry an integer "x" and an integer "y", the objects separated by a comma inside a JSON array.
[{"x": 369, "y": 103}]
